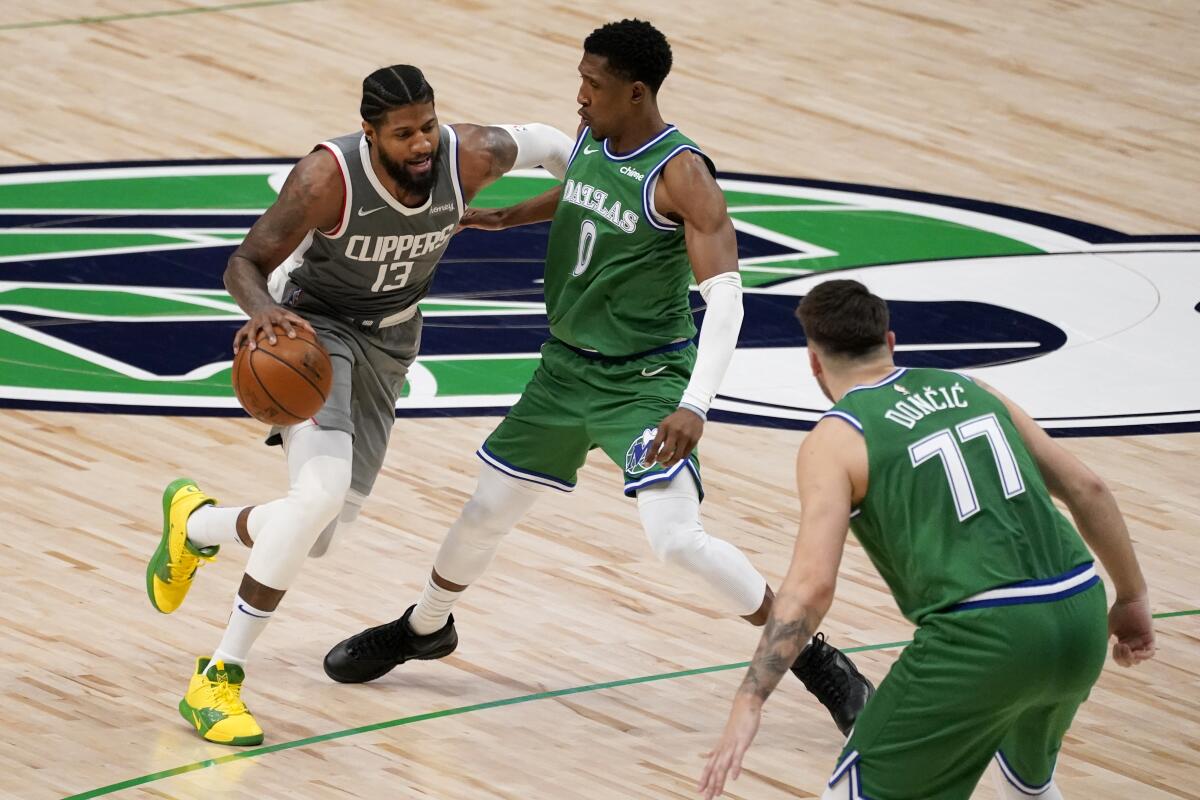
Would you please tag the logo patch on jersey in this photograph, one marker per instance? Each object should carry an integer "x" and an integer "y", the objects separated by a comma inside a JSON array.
[
  {"x": 588, "y": 150},
  {"x": 1083, "y": 325},
  {"x": 633, "y": 173},
  {"x": 362, "y": 212},
  {"x": 638, "y": 450},
  {"x": 442, "y": 209}
]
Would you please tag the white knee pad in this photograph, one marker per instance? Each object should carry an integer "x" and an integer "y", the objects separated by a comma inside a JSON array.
[
  {"x": 320, "y": 462},
  {"x": 349, "y": 513},
  {"x": 670, "y": 513},
  {"x": 497, "y": 505}
]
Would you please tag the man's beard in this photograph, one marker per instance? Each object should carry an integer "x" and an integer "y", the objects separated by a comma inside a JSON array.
[{"x": 405, "y": 181}]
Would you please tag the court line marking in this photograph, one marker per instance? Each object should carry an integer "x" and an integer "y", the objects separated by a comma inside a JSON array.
[
  {"x": 452, "y": 712},
  {"x": 50, "y": 23}
]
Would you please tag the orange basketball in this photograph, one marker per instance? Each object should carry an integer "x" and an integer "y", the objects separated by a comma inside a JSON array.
[{"x": 283, "y": 383}]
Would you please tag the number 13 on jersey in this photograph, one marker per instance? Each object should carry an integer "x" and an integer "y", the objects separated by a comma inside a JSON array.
[{"x": 388, "y": 281}]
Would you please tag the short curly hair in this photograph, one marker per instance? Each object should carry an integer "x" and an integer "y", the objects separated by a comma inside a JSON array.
[
  {"x": 843, "y": 318},
  {"x": 635, "y": 49}
]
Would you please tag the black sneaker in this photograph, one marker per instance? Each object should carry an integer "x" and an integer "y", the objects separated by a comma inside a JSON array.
[
  {"x": 834, "y": 680},
  {"x": 372, "y": 653}
]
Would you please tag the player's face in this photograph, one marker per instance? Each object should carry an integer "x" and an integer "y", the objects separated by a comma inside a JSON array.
[
  {"x": 605, "y": 100},
  {"x": 406, "y": 143}
]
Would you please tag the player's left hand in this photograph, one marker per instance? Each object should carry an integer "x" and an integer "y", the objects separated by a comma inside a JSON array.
[
  {"x": 677, "y": 437},
  {"x": 726, "y": 759}
]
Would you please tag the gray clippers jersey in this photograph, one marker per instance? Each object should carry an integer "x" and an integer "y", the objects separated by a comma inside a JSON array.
[{"x": 381, "y": 257}]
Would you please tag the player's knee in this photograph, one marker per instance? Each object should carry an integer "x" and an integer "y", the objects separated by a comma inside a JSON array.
[
  {"x": 498, "y": 503},
  {"x": 677, "y": 542},
  {"x": 321, "y": 490},
  {"x": 486, "y": 521}
]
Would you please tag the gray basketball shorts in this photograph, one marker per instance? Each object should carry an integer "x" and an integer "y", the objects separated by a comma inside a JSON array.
[{"x": 369, "y": 369}]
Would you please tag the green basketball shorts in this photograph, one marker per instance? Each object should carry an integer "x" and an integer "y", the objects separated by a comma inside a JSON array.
[
  {"x": 574, "y": 403},
  {"x": 1001, "y": 682}
]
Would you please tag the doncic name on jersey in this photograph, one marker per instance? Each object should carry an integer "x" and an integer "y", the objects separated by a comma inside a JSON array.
[{"x": 1083, "y": 325}]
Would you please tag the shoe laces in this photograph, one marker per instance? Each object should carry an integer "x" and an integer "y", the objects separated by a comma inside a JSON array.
[
  {"x": 821, "y": 674},
  {"x": 383, "y": 640},
  {"x": 184, "y": 568},
  {"x": 228, "y": 695}
]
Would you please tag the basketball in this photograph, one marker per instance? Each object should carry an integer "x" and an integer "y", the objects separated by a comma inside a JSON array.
[{"x": 283, "y": 383}]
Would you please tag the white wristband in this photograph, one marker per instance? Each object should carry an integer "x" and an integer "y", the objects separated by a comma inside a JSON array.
[
  {"x": 540, "y": 145},
  {"x": 718, "y": 339}
]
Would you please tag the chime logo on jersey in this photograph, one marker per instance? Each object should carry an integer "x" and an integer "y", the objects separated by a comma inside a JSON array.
[{"x": 111, "y": 296}]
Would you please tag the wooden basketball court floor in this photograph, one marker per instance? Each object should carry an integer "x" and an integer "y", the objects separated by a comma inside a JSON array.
[{"x": 585, "y": 670}]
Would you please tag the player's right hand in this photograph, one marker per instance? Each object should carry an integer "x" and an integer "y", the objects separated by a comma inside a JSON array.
[
  {"x": 485, "y": 219},
  {"x": 1131, "y": 623},
  {"x": 265, "y": 321}
]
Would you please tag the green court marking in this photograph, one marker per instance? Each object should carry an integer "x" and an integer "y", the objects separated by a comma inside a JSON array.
[
  {"x": 23, "y": 243},
  {"x": 50, "y": 23},
  {"x": 232, "y": 193},
  {"x": 453, "y": 712}
]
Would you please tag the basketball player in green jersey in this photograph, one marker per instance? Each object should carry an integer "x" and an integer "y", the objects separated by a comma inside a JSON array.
[
  {"x": 947, "y": 485},
  {"x": 637, "y": 219}
]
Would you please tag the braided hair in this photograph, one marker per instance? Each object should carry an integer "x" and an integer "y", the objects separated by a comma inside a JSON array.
[{"x": 391, "y": 87}]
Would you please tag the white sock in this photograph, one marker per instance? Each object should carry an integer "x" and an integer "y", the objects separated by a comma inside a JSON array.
[
  {"x": 433, "y": 609},
  {"x": 209, "y": 525},
  {"x": 245, "y": 624}
]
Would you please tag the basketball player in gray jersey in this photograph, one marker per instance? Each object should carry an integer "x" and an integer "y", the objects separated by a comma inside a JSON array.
[{"x": 347, "y": 252}]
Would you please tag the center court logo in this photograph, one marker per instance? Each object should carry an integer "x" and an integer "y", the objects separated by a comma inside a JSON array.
[{"x": 111, "y": 297}]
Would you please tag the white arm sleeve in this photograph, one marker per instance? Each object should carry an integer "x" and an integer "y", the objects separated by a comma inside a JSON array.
[
  {"x": 718, "y": 338},
  {"x": 541, "y": 145}
]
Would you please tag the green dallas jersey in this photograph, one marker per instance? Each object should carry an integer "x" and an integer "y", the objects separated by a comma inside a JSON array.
[
  {"x": 617, "y": 273},
  {"x": 957, "y": 514}
]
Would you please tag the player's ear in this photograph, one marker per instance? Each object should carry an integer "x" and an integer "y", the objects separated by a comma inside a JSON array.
[
  {"x": 638, "y": 92},
  {"x": 814, "y": 362},
  {"x": 891, "y": 342},
  {"x": 369, "y": 130}
]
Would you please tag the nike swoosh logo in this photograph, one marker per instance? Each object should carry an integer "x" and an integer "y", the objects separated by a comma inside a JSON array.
[
  {"x": 653, "y": 372},
  {"x": 246, "y": 611},
  {"x": 587, "y": 151},
  {"x": 364, "y": 213}
]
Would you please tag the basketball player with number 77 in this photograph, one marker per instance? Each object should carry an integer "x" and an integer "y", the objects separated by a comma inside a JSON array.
[
  {"x": 351, "y": 246},
  {"x": 946, "y": 483}
]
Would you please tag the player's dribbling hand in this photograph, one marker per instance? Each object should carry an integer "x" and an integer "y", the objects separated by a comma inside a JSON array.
[
  {"x": 265, "y": 321},
  {"x": 485, "y": 219},
  {"x": 1130, "y": 621},
  {"x": 726, "y": 759},
  {"x": 677, "y": 437}
]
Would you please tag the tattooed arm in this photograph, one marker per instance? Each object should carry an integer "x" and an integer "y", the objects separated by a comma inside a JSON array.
[{"x": 831, "y": 472}]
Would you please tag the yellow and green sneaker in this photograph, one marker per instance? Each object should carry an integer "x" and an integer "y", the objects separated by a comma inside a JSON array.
[
  {"x": 213, "y": 704},
  {"x": 174, "y": 563}
]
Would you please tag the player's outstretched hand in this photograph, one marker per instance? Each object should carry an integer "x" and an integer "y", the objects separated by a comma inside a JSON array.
[
  {"x": 485, "y": 219},
  {"x": 677, "y": 437},
  {"x": 265, "y": 321},
  {"x": 1131, "y": 623},
  {"x": 726, "y": 760}
]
